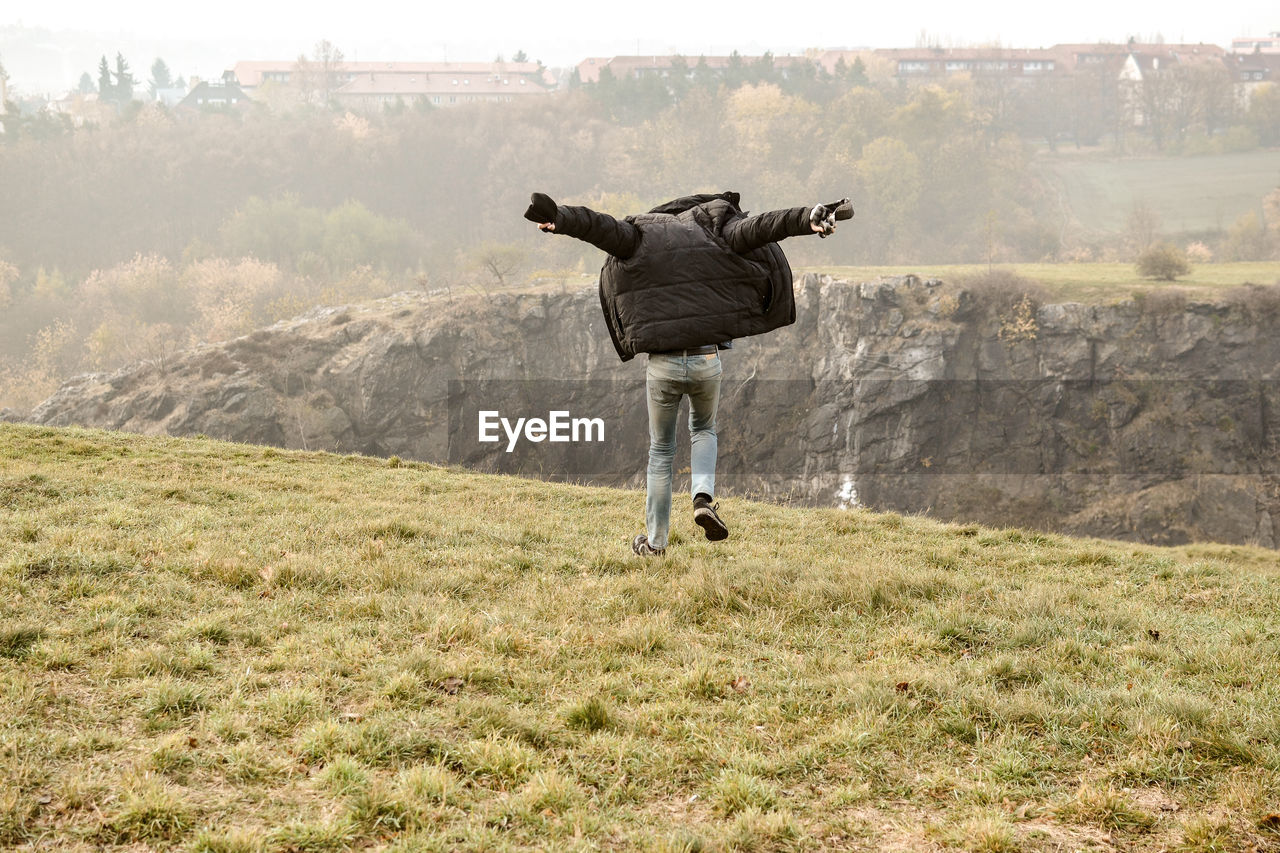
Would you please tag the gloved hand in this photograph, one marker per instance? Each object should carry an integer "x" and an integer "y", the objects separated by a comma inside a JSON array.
[
  {"x": 541, "y": 211},
  {"x": 823, "y": 217}
]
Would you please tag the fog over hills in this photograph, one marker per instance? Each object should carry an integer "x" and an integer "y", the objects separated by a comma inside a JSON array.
[{"x": 46, "y": 46}]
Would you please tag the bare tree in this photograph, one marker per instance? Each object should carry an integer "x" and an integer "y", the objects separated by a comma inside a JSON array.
[
  {"x": 1143, "y": 225},
  {"x": 499, "y": 260},
  {"x": 329, "y": 61},
  {"x": 317, "y": 78}
]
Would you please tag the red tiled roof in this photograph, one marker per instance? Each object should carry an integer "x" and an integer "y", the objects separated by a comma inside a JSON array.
[
  {"x": 249, "y": 73},
  {"x": 621, "y": 66},
  {"x": 376, "y": 84}
]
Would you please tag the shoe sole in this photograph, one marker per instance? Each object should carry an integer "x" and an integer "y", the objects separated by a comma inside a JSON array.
[{"x": 712, "y": 526}]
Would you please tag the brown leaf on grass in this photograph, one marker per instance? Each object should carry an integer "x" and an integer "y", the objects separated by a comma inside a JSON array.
[
  {"x": 741, "y": 684},
  {"x": 452, "y": 685},
  {"x": 902, "y": 686},
  {"x": 1153, "y": 634},
  {"x": 1271, "y": 821}
]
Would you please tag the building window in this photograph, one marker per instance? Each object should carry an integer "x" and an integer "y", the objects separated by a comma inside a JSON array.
[
  {"x": 957, "y": 66},
  {"x": 906, "y": 67}
]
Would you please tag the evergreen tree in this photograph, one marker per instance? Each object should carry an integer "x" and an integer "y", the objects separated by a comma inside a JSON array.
[
  {"x": 520, "y": 56},
  {"x": 735, "y": 74},
  {"x": 761, "y": 70},
  {"x": 106, "y": 92},
  {"x": 857, "y": 74},
  {"x": 86, "y": 84},
  {"x": 703, "y": 76},
  {"x": 161, "y": 78},
  {"x": 124, "y": 80}
]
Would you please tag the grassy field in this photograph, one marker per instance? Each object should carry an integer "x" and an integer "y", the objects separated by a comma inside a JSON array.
[
  {"x": 1092, "y": 282},
  {"x": 218, "y": 647},
  {"x": 1085, "y": 282},
  {"x": 1207, "y": 192}
]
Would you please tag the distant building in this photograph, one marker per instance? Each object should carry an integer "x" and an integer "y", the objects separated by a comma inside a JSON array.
[
  {"x": 1142, "y": 61},
  {"x": 927, "y": 63},
  {"x": 171, "y": 96},
  {"x": 931, "y": 63},
  {"x": 84, "y": 109},
  {"x": 375, "y": 85},
  {"x": 204, "y": 95},
  {"x": 1251, "y": 70},
  {"x": 635, "y": 67},
  {"x": 1256, "y": 44}
]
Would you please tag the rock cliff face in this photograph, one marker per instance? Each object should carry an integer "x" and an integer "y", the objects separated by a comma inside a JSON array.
[{"x": 1135, "y": 420}]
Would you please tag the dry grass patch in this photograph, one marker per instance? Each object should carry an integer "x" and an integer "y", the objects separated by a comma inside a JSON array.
[{"x": 224, "y": 648}]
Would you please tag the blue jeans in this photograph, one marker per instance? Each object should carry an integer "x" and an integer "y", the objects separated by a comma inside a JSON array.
[{"x": 667, "y": 379}]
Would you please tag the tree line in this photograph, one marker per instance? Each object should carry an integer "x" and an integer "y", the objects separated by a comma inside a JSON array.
[{"x": 323, "y": 204}]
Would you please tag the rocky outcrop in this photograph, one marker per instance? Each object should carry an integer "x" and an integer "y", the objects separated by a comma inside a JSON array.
[{"x": 1133, "y": 420}]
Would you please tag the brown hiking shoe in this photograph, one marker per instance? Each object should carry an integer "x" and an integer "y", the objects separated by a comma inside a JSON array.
[{"x": 706, "y": 517}]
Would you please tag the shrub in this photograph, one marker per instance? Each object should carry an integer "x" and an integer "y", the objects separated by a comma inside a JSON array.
[
  {"x": 1246, "y": 240},
  {"x": 1002, "y": 290},
  {"x": 1199, "y": 253},
  {"x": 1163, "y": 261}
]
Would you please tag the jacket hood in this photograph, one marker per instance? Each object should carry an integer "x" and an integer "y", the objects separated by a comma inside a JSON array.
[{"x": 680, "y": 205}]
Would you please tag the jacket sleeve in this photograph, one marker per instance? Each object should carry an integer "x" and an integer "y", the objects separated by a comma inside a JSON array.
[
  {"x": 743, "y": 235},
  {"x": 617, "y": 237}
]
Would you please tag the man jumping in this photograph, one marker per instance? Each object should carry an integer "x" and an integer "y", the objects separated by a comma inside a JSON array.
[{"x": 680, "y": 283}]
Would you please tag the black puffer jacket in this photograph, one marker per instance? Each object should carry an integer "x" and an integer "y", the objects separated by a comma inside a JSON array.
[{"x": 691, "y": 272}]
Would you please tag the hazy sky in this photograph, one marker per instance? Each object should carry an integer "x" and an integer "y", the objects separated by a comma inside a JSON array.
[
  {"x": 673, "y": 21},
  {"x": 561, "y": 33}
]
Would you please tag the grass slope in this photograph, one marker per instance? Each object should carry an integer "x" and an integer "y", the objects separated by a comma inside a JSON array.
[
  {"x": 218, "y": 647},
  {"x": 1201, "y": 193}
]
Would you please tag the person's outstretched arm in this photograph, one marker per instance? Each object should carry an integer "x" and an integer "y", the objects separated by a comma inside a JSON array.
[
  {"x": 615, "y": 236},
  {"x": 743, "y": 235}
]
